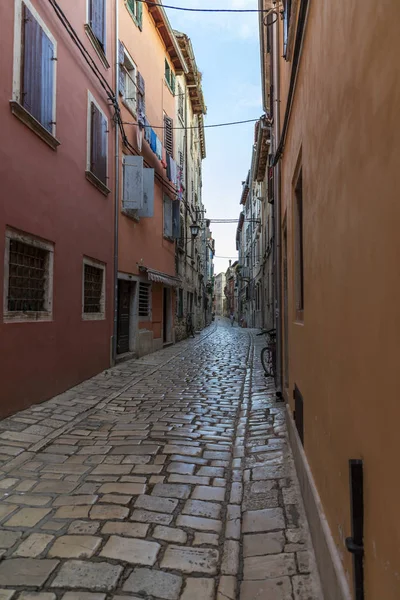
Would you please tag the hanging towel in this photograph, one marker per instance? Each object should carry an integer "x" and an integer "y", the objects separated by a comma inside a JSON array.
[
  {"x": 153, "y": 141},
  {"x": 158, "y": 149},
  {"x": 147, "y": 131},
  {"x": 141, "y": 110},
  {"x": 139, "y": 138}
]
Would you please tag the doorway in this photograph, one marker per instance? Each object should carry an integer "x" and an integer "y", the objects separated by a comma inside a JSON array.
[
  {"x": 166, "y": 315},
  {"x": 124, "y": 296}
]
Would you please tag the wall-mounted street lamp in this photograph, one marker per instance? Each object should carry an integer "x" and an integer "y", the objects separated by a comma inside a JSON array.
[{"x": 194, "y": 230}]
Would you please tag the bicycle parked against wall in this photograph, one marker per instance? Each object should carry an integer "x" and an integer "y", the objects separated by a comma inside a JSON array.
[
  {"x": 268, "y": 353},
  {"x": 189, "y": 324}
]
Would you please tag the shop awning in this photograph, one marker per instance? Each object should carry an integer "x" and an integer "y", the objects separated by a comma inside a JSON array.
[{"x": 159, "y": 277}]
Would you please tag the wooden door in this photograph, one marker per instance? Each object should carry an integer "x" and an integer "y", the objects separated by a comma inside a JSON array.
[{"x": 124, "y": 296}]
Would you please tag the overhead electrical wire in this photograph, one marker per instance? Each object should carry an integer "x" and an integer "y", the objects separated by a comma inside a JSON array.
[
  {"x": 207, "y": 10},
  {"x": 196, "y": 126}
]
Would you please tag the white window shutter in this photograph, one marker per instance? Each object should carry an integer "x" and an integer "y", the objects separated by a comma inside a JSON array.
[
  {"x": 147, "y": 209},
  {"x": 133, "y": 182}
]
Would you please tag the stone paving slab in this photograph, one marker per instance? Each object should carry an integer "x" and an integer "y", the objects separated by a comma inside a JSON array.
[{"x": 167, "y": 478}]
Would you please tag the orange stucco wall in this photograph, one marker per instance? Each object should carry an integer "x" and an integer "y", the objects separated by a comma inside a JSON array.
[
  {"x": 143, "y": 242},
  {"x": 345, "y": 356}
]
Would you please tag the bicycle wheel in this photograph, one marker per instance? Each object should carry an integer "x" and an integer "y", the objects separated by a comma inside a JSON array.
[{"x": 266, "y": 361}]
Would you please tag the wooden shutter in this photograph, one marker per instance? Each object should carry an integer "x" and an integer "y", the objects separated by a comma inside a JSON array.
[
  {"x": 173, "y": 82},
  {"x": 139, "y": 14},
  {"x": 32, "y": 64},
  {"x": 47, "y": 86},
  {"x": 97, "y": 20},
  {"x": 167, "y": 217},
  {"x": 98, "y": 144},
  {"x": 133, "y": 182},
  {"x": 121, "y": 74},
  {"x": 147, "y": 209},
  {"x": 168, "y": 135},
  {"x": 176, "y": 223}
]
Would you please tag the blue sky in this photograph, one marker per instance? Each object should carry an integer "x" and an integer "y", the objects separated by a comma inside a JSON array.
[{"x": 227, "y": 53}]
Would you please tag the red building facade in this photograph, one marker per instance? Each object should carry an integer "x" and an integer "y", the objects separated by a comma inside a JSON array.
[{"x": 56, "y": 213}]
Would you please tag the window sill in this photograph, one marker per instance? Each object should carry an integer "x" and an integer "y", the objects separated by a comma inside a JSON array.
[
  {"x": 27, "y": 317},
  {"x": 131, "y": 214},
  {"x": 25, "y": 117},
  {"x": 93, "y": 317},
  {"x": 97, "y": 46},
  {"x": 97, "y": 183}
]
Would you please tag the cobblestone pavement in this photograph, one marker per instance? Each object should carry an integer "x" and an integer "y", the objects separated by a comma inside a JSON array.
[{"x": 164, "y": 478}]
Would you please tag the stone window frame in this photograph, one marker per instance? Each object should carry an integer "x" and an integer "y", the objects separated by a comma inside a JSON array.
[
  {"x": 100, "y": 316},
  {"x": 31, "y": 316}
]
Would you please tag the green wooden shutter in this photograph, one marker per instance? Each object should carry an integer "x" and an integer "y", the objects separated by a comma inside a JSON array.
[
  {"x": 173, "y": 82},
  {"x": 139, "y": 13}
]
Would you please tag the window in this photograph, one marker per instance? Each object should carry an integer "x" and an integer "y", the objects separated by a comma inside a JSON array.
[
  {"x": 298, "y": 247},
  {"x": 168, "y": 135},
  {"x": 286, "y": 23},
  {"x": 169, "y": 77},
  {"x": 28, "y": 278},
  {"x": 144, "y": 300},
  {"x": 129, "y": 88},
  {"x": 96, "y": 28},
  {"x": 34, "y": 91},
  {"x": 93, "y": 290},
  {"x": 135, "y": 7},
  {"x": 97, "y": 147},
  {"x": 167, "y": 217},
  {"x": 179, "y": 311}
]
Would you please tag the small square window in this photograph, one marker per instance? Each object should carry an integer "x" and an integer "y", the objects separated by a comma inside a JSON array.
[
  {"x": 93, "y": 290},
  {"x": 28, "y": 276},
  {"x": 144, "y": 300}
]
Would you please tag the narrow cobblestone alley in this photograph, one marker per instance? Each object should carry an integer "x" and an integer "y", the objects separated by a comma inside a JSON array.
[{"x": 164, "y": 478}]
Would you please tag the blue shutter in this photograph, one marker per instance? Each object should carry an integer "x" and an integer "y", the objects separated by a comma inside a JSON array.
[
  {"x": 98, "y": 144},
  {"x": 97, "y": 20},
  {"x": 47, "y": 83},
  {"x": 121, "y": 60},
  {"x": 32, "y": 64},
  {"x": 147, "y": 209}
]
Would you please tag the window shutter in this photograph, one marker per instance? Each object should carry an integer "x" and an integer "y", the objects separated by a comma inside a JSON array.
[
  {"x": 139, "y": 14},
  {"x": 97, "y": 22},
  {"x": 176, "y": 223},
  {"x": 173, "y": 82},
  {"x": 47, "y": 83},
  {"x": 168, "y": 135},
  {"x": 121, "y": 75},
  {"x": 147, "y": 209},
  {"x": 133, "y": 182},
  {"x": 98, "y": 144},
  {"x": 31, "y": 92},
  {"x": 167, "y": 217}
]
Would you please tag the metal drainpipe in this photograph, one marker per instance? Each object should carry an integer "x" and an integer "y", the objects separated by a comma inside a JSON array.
[
  {"x": 277, "y": 216},
  {"x": 116, "y": 215}
]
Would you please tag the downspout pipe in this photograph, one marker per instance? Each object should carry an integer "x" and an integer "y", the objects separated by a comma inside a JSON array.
[
  {"x": 277, "y": 214},
  {"x": 116, "y": 201}
]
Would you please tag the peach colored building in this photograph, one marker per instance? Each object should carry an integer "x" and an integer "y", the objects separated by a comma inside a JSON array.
[
  {"x": 56, "y": 209},
  {"x": 333, "y": 100},
  {"x": 149, "y": 60}
]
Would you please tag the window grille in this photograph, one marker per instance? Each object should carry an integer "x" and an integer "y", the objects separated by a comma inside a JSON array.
[
  {"x": 27, "y": 277},
  {"x": 93, "y": 289},
  {"x": 144, "y": 300}
]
